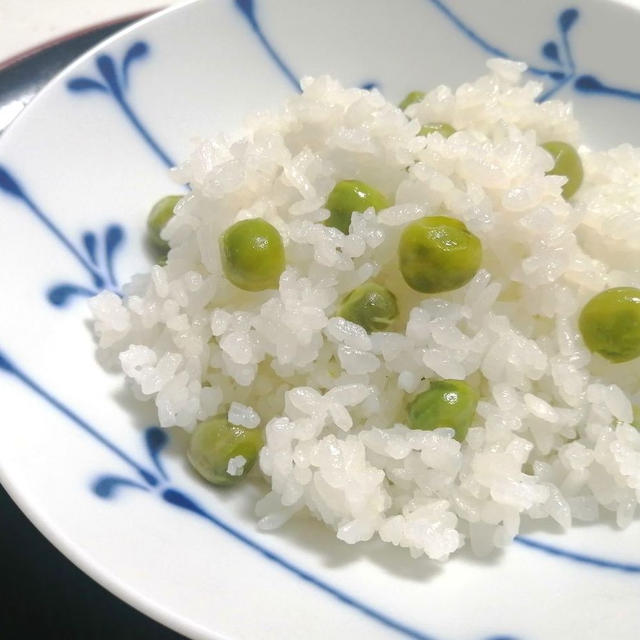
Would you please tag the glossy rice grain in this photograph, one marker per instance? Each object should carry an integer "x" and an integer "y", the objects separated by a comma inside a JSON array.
[{"x": 426, "y": 368}]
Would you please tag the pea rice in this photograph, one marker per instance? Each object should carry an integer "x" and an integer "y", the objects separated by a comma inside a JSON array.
[{"x": 553, "y": 434}]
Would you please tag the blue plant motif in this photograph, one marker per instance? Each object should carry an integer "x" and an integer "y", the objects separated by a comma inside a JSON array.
[
  {"x": 95, "y": 253},
  {"x": 115, "y": 82},
  {"x": 557, "y": 51}
]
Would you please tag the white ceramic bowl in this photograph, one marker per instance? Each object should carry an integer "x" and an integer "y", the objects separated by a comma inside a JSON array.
[{"x": 78, "y": 172}]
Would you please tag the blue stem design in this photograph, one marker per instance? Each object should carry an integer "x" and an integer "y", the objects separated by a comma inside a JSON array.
[
  {"x": 142, "y": 130},
  {"x": 582, "y": 558},
  {"x": 247, "y": 7}
]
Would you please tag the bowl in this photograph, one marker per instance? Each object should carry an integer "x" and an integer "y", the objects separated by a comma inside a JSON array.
[{"x": 78, "y": 171}]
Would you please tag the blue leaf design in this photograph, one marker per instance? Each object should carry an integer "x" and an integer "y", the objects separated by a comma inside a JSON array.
[
  {"x": 113, "y": 239},
  {"x": 108, "y": 71},
  {"x": 588, "y": 83},
  {"x": 156, "y": 439},
  {"x": 550, "y": 51},
  {"x": 247, "y": 7},
  {"x": 106, "y": 486},
  {"x": 5, "y": 363},
  {"x": 370, "y": 85},
  {"x": 557, "y": 75},
  {"x": 136, "y": 50},
  {"x": 85, "y": 84},
  {"x": 61, "y": 294},
  {"x": 89, "y": 242},
  {"x": 9, "y": 184},
  {"x": 179, "y": 499},
  {"x": 567, "y": 19},
  {"x": 591, "y": 84},
  {"x": 578, "y": 557}
]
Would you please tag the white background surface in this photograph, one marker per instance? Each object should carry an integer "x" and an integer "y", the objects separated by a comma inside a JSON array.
[{"x": 28, "y": 23}]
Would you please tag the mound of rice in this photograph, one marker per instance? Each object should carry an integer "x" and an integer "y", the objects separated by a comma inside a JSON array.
[{"x": 553, "y": 435}]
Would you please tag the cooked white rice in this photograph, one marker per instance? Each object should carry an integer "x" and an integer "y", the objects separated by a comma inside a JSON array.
[{"x": 552, "y": 437}]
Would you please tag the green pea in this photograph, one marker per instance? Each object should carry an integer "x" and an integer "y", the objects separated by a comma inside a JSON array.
[
  {"x": 252, "y": 255},
  {"x": 566, "y": 163},
  {"x": 371, "y": 305},
  {"x": 636, "y": 416},
  {"x": 443, "y": 128},
  {"x": 610, "y": 324},
  {"x": 447, "y": 403},
  {"x": 349, "y": 196},
  {"x": 438, "y": 253},
  {"x": 160, "y": 214},
  {"x": 411, "y": 98},
  {"x": 215, "y": 441}
]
